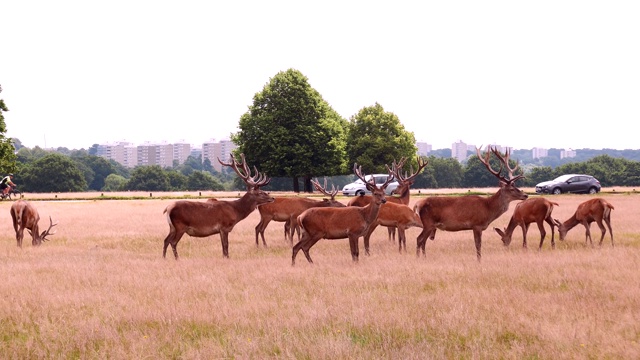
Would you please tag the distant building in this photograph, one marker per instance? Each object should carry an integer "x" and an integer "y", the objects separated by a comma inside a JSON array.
[
  {"x": 459, "y": 151},
  {"x": 567, "y": 154},
  {"x": 423, "y": 148},
  {"x": 214, "y": 150},
  {"x": 537, "y": 153}
]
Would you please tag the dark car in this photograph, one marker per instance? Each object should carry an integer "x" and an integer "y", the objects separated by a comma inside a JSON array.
[{"x": 570, "y": 183}]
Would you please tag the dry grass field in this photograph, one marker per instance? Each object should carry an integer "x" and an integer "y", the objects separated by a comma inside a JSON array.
[{"x": 101, "y": 289}]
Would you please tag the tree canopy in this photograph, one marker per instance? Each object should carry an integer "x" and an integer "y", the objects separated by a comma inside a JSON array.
[
  {"x": 377, "y": 138},
  {"x": 7, "y": 150},
  {"x": 290, "y": 131}
]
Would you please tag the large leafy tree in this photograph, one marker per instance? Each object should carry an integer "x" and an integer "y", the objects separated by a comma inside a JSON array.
[
  {"x": 149, "y": 178},
  {"x": 7, "y": 150},
  {"x": 290, "y": 131},
  {"x": 53, "y": 173},
  {"x": 376, "y": 138}
]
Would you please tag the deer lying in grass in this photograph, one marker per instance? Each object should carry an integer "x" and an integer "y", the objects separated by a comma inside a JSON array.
[
  {"x": 403, "y": 191},
  {"x": 597, "y": 210},
  {"x": 536, "y": 210},
  {"x": 25, "y": 216},
  {"x": 469, "y": 212},
  {"x": 287, "y": 209},
  {"x": 201, "y": 219},
  {"x": 339, "y": 223}
]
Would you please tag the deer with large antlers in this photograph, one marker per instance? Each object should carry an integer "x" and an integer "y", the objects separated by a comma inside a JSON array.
[
  {"x": 470, "y": 212},
  {"x": 287, "y": 209},
  {"x": 597, "y": 210},
  {"x": 25, "y": 216},
  {"x": 403, "y": 191},
  {"x": 349, "y": 222},
  {"x": 201, "y": 219},
  {"x": 536, "y": 210}
]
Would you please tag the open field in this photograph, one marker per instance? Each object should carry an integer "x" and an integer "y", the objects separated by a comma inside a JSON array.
[{"x": 101, "y": 289}]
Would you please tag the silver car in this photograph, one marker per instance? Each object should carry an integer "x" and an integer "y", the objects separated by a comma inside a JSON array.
[{"x": 358, "y": 187}]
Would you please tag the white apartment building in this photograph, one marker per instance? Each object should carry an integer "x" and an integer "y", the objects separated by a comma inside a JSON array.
[
  {"x": 567, "y": 153},
  {"x": 459, "y": 151},
  {"x": 537, "y": 153},
  {"x": 214, "y": 150},
  {"x": 423, "y": 148}
]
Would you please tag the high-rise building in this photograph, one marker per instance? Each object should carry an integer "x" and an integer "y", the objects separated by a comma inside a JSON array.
[
  {"x": 567, "y": 153},
  {"x": 217, "y": 150},
  {"x": 459, "y": 151},
  {"x": 423, "y": 148},
  {"x": 537, "y": 153}
]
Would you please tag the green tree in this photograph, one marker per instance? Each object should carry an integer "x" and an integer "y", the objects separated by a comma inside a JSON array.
[
  {"x": 53, "y": 173},
  {"x": 538, "y": 175},
  {"x": 7, "y": 150},
  {"x": 148, "y": 178},
  {"x": 291, "y": 131},
  {"x": 444, "y": 172},
  {"x": 114, "y": 182},
  {"x": 376, "y": 138},
  {"x": 177, "y": 181},
  {"x": 202, "y": 180}
]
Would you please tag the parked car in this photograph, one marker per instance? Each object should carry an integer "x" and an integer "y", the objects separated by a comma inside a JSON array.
[
  {"x": 570, "y": 183},
  {"x": 358, "y": 187}
]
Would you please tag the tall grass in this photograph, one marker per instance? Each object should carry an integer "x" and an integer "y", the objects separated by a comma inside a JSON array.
[{"x": 101, "y": 289}]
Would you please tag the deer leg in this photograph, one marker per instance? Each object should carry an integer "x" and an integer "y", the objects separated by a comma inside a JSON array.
[
  {"x": 353, "y": 244},
  {"x": 543, "y": 233},
  {"x": 173, "y": 238},
  {"x": 287, "y": 231},
  {"x": 224, "y": 236},
  {"x": 608, "y": 221},
  {"x": 422, "y": 238},
  {"x": 549, "y": 221},
  {"x": 603, "y": 230},
  {"x": 525, "y": 229},
  {"x": 477, "y": 237},
  {"x": 260, "y": 229},
  {"x": 392, "y": 234},
  {"x": 19, "y": 236},
  {"x": 367, "y": 236},
  {"x": 402, "y": 240},
  {"x": 587, "y": 226}
]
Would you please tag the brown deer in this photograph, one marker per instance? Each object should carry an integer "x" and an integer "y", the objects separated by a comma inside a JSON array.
[
  {"x": 536, "y": 210},
  {"x": 201, "y": 219},
  {"x": 597, "y": 210},
  {"x": 403, "y": 190},
  {"x": 470, "y": 212},
  {"x": 339, "y": 223},
  {"x": 394, "y": 216},
  {"x": 25, "y": 216},
  {"x": 287, "y": 209}
]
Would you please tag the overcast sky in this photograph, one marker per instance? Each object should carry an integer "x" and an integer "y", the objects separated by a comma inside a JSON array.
[{"x": 551, "y": 74}]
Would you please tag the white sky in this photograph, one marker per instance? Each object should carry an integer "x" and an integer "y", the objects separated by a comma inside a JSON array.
[{"x": 551, "y": 74}]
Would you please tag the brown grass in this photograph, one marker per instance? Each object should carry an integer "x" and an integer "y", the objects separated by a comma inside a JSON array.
[{"x": 101, "y": 289}]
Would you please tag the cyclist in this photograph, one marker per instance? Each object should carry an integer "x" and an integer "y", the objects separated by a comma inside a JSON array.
[{"x": 5, "y": 183}]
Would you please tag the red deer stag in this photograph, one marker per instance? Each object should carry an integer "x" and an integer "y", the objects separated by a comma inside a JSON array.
[
  {"x": 287, "y": 209},
  {"x": 201, "y": 219},
  {"x": 339, "y": 223},
  {"x": 403, "y": 190},
  {"x": 597, "y": 210},
  {"x": 537, "y": 210},
  {"x": 470, "y": 212},
  {"x": 25, "y": 216}
]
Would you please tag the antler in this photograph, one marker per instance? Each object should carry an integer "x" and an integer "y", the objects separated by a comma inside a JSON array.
[
  {"x": 504, "y": 162},
  {"x": 255, "y": 181},
  {"x": 48, "y": 231},
  {"x": 371, "y": 185},
  {"x": 396, "y": 169},
  {"x": 323, "y": 190}
]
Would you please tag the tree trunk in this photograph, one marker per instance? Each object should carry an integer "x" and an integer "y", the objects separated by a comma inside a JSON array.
[
  {"x": 307, "y": 184},
  {"x": 296, "y": 186}
]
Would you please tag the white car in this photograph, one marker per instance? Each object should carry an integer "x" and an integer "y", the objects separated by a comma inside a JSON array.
[{"x": 358, "y": 187}]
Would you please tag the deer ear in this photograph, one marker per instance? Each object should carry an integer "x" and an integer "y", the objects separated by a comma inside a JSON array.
[{"x": 499, "y": 231}]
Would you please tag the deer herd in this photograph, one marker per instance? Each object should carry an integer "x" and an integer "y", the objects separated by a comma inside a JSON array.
[{"x": 313, "y": 220}]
